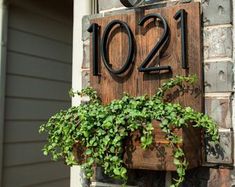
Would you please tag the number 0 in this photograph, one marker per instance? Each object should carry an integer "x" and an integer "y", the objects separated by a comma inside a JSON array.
[{"x": 104, "y": 53}]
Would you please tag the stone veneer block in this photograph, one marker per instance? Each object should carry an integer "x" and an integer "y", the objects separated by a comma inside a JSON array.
[
  {"x": 219, "y": 107},
  {"x": 218, "y": 76},
  {"x": 109, "y": 4},
  {"x": 85, "y": 26},
  {"x": 140, "y": 178},
  {"x": 219, "y": 178},
  {"x": 217, "y": 12},
  {"x": 218, "y": 42},
  {"x": 85, "y": 78},
  {"x": 100, "y": 184},
  {"x": 233, "y": 178},
  {"x": 221, "y": 153}
]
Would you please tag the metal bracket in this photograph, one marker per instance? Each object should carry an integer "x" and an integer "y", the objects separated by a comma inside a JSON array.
[{"x": 127, "y": 3}]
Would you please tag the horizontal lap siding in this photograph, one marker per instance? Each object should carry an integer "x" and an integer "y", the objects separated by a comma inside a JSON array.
[
  {"x": 38, "y": 67},
  {"x": 39, "y": 72},
  {"x": 57, "y": 183},
  {"x": 38, "y": 46},
  {"x": 18, "y": 86},
  {"x": 19, "y": 154},
  {"x": 35, "y": 174},
  {"x": 32, "y": 109},
  {"x": 23, "y": 20},
  {"x": 19, "y": 131}
]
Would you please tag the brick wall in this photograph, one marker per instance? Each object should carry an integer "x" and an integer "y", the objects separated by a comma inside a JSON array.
[{"x": 218, "y": 50}]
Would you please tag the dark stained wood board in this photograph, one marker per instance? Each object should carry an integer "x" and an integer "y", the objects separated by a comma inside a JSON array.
[
  {"x": 159, "y": 156},
  {"x": 110, "y": 86}
]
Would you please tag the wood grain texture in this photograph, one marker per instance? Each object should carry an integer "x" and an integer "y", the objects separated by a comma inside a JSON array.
[{"x": 137, "y": 83}]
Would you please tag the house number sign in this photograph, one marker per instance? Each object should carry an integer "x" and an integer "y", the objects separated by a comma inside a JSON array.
[
  {"x": 137, "y": 50},
  {"x": 144, "y": 67}
]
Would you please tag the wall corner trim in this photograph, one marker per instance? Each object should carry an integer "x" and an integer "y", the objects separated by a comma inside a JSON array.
[{"x": 3, "y": 52}]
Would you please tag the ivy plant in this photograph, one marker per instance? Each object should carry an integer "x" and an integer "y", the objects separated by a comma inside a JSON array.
[{"x": 99, "y": 131}]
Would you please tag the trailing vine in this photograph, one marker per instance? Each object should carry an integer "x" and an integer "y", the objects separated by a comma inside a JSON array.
[{"x": 99, "y": 131}]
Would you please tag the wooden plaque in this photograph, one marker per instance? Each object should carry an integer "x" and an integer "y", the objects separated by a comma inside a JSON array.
[{"x": 111, "y": 86}]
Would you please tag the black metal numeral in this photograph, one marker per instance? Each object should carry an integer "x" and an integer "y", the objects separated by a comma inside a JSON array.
[
  {"x": 162, "y": 41},
  {"x": 182, "y": 15},
  {"x": 104, "y": 42},
  {"x": 94, "y": 29}
]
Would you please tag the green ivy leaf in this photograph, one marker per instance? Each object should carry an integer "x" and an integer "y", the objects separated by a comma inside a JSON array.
[
  {"x": 98, "y": 131},
  {"x": 116, "y": 171},
  {"x": 88, "y": 152},
  {"x": 176, "y": 162}
]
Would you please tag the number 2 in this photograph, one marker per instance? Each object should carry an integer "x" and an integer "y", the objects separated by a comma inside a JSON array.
[{"x": 162, "y": 41}]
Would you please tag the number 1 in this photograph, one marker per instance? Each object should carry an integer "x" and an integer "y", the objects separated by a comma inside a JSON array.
[
  {"x": 182, "y": 15},
  {"x": 94, "y": 29}
]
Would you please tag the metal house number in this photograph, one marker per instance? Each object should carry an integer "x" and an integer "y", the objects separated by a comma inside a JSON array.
[{"x": 144, "y": 67}]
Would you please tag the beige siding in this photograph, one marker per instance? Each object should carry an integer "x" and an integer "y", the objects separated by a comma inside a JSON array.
[
  {"x": 39, "y": 88},
  {"x": 38, "y": 79},
  {"x": 27, "y": 154},
  {"x": 58, "y": 183},
  {"x": 38, "y": 67},
  {"x": 23, "y": 21},
  {"x": 34, "y": 174},
  {"x": 38, "y": 46},
  {"x": 23, "y": 131}
]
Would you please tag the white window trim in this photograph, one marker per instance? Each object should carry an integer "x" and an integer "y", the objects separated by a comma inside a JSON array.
[{"x": 81, "y": 8}]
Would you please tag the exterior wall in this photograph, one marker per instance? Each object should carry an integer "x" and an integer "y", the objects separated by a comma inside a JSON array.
[
  {"x": 217, "y": 30},
  {"x": 38, "y": 77}
]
